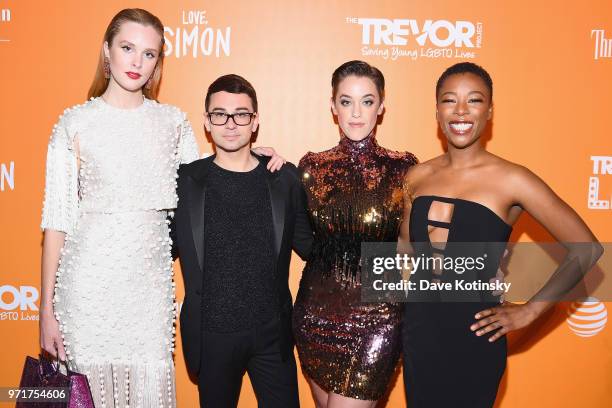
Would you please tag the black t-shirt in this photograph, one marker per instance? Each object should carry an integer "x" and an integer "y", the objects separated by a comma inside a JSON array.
[{"x": 239, "y": 289}]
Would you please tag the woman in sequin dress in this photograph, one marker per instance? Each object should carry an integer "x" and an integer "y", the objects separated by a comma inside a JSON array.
[
  {"x": 348, "y": 349},
  {"x": 107, "y": 303}
]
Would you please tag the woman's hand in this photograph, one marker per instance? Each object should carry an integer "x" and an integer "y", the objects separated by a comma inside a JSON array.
[
  {"x": 503, "y": 319},
  {"x": 50, "y": 336},
  {"x": 276, "y": 161}
]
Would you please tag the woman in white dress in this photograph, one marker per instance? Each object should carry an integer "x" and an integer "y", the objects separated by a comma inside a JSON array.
[{"x": 107, "y": 303}]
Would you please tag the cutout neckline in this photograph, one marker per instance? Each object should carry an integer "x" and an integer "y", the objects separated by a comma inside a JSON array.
[{"x": 466, "y": 201}]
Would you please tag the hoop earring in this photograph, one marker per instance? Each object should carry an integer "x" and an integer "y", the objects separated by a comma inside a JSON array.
[{"x": 106, "y": 68}]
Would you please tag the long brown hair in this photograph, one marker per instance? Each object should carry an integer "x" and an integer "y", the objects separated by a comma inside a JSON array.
[{"x": 136, "y": 15}]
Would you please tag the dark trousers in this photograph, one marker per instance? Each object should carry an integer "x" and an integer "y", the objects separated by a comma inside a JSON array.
[{"x": 227, "y": 356}]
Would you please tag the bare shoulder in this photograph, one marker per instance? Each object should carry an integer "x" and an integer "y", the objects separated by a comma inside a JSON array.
[
  {"x": 421, "y": 171},
  {"x": 518, "y": 180},
  {"x": 510, "y": 172}
]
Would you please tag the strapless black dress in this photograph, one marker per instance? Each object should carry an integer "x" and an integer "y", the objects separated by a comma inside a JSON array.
[{"x": 445, "y": 363}]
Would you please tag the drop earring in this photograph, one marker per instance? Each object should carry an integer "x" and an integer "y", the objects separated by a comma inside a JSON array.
[{"x": 106, "y": 68}]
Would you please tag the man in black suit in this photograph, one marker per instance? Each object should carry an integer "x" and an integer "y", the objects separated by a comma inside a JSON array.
[{"x": 234, "y": 229}]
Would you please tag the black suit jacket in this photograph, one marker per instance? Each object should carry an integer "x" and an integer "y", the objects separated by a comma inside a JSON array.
[{"x": 292, "y": 230}]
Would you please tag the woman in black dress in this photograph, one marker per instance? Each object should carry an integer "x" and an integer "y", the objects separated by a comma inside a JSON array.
[{"x": 454, "y": 343}]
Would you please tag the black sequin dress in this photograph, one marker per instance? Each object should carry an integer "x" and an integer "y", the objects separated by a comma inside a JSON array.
[{"x": 354, "y": 195}]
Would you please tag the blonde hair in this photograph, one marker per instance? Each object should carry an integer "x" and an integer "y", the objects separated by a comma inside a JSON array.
[{"x": 100, "y": 82}]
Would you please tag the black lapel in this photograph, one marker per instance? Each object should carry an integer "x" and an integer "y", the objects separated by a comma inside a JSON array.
[
  {"x": 197, "y": 196},
  {"x": 277, "y": 199}
]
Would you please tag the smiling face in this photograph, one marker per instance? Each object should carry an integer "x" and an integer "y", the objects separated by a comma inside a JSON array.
[
  {"x": 357, "y": 105},
  {"x": 133, "y": 55},
  {"x": 231, "y": 137},
  {"x": 463, "y": 108}
]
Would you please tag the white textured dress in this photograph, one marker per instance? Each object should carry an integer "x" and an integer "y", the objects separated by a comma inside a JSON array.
[{"x": 114, "y": 293}]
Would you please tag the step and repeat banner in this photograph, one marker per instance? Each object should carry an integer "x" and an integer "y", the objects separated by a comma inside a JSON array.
[{"x": 551, "y": 65}]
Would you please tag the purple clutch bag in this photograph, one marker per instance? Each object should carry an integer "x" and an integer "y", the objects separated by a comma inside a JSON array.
[{"x": 44, "y": 374}]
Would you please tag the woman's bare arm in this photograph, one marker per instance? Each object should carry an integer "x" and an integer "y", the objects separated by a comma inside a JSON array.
[{"x": 566, "y": 226}]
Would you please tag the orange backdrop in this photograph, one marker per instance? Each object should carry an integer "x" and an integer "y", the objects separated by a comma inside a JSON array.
[{"x": 552, "y": 68}]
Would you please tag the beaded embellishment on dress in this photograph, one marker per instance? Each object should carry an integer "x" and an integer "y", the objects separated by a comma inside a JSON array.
[{"x": 114, "y": 292}]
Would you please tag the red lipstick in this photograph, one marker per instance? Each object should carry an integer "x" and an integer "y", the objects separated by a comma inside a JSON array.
[{"x": 133, "y": 75}]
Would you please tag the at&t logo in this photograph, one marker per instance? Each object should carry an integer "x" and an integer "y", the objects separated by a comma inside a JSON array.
[
  {"x": 587, "y": 317},
  {"x": 18, "y": 303}
]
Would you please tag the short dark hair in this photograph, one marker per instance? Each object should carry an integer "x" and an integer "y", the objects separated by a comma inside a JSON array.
[
  {"x": 231, "y": 83},
  {"x": 462, "y": 68},
  {"x": 359, "y": 69}
]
